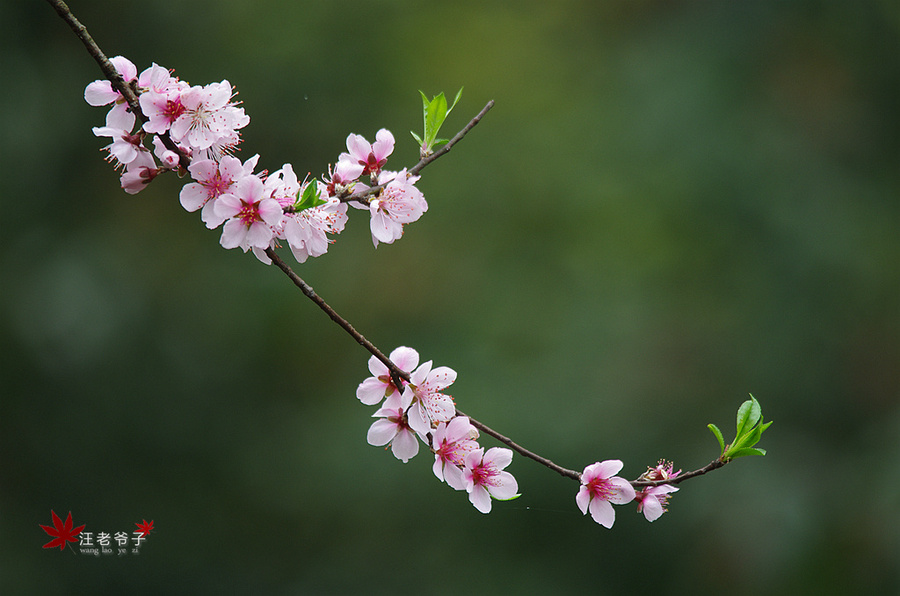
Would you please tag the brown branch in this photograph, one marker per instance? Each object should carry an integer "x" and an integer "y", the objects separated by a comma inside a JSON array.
[
  {"x": 521, "y": 450},
  {"x": 109, "y": 71},
  {"x": 113, "y": 75},
  {"x": 396, "y": 373}
]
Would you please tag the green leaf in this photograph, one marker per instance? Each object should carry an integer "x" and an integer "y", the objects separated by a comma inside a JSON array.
[
  {"x": 509, "y": 499},
  {"x": 747, "y": 416},
  {"x": 455, "y": 100},
  {"x": 718, "y": 434},
  {"x": 309, "y": 198},
  {"x": 745, "y": 451},
  {"x": 434, "y": 112}
]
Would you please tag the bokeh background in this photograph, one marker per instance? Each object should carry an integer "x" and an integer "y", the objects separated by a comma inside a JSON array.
[{"x": 672, "y": 205}]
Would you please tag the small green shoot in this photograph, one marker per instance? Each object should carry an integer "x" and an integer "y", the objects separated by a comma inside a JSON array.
[
  {"x": 750, "y": 428},
  {"x": 434, "y": 112}
]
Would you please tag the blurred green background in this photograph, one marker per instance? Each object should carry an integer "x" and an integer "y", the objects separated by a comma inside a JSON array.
[{"x": 672, "y": 205}]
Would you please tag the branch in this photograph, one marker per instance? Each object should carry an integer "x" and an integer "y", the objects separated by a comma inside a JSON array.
[
  {"x": 111, "y": 74},
  {"x": 396, "y": 373},
  {"x": 521, "y": 450},
  {"x": 109, "y": 71},
  {"x": 130, "y": 94}
]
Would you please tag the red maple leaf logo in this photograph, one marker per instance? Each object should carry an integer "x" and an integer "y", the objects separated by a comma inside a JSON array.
[
  {"x": 62, "y": 532},
  {"x": 144, "y": 528}
]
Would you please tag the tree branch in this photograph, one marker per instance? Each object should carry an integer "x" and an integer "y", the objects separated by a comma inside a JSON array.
[
  {"x": 398, "y": 376},
  {"x": 113, "y": 75}
]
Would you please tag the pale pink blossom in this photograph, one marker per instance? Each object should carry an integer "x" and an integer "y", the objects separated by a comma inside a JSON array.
[
  {"x": 206, "y": 116},
  {"x": 101, "y": 93},
  {"x": 600, "y": 487},
  {"x": 429, "y": 406},
  {"x": 485, "y": 478},
  {"x": 452, "y": 442},
  {"x": 166, "y": 156},
  {"x": 251, "y": 217},
  {"x": 124, "y": 147},
  {"x": 371, "y": 157},
  {"x": 139, "y": 172},
  {"x": 652, "y": 500},
  {"x": 399, "y": 203},
  {"x": 162, "y": 110},
  {"x": 212, "y": 180},
  {"x": 394, "y": 428},
  {"x": 662, "y": 471},
  {"x": 342, "y": 179},
  {"x": 380, "y": 385},
  {"x": 158, "y": 79},
  {"x": 306, "y": 230}
]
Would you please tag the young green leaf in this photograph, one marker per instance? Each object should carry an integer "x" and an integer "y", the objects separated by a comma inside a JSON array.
[
  {"x": 747, "y": 416},
  {"x": 718, "y": 434},
  {"x": 745, "y": 451},
  {"x": 309, "y": 198},
  {"x": 434, "y": 112}
]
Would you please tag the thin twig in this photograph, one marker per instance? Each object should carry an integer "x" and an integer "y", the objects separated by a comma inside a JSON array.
[
  {"x": 396, "y": 373},
  {"x": 521, "y": 450},
  {"x": 113, "y": 75}
]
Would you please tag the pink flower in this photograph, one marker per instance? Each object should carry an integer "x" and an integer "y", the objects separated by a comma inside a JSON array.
[
  {"x": 452, "y": 442},
  {"x": 124, "y": 147},
  {"x": 379, "y": 385},
  {"x": 139, "y": 172},
  {"x": 485, "y": 478},
  {"x": 394, "y": 429},
  {"x": 371, "y": 157},
  {"x": 306, "y": 230},
  {"x": 169, "y": 158},
  {"x": 206, "y": 116},
  {"x": 599, "y": 488},
  {"x": 212, "y": 181},
  {"x": 343, "y": 178},
  {"x": 662, "y": 471},
  {"x": 652, "y": 501},
  {"x": 163, "y": 107},
  {"x": 251, "y": 216},
  {"x": 429, "y": 406},
  {"x": 101, "y": 93},
  {"x": 399, "y": 203}
]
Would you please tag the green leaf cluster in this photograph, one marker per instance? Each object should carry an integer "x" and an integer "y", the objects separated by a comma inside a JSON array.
[
  {"x": 750, "y": 428},
  {"x": 309, "y": 198},
  {"x": 434, "y": 112}
]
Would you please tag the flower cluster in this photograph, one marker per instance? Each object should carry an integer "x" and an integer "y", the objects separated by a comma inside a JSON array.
[
  {"x": 255, "y": 210},
  {"x": 652, "y": 500},
  {"x": 418, "y": 410},
  {"x": 195, "y": 130}
]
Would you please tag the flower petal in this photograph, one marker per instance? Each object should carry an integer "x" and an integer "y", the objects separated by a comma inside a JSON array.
[
  {"x": 603, "y": 513},
  {"x": 481, "y": 499}
]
